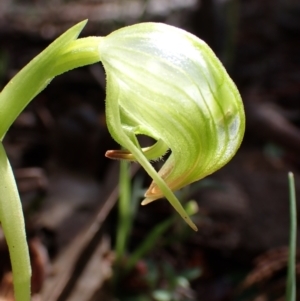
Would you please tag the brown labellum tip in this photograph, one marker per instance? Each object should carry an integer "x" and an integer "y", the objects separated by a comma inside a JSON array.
[{"x": 119, "y": 155}]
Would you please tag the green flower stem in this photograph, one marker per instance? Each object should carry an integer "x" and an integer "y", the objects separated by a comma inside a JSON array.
[
  {"x": 12, "y": 222},
  {"x": 78, "y": 53},
  {"x": 64, "y": 54},
  {"x": 125, "y": 211}
]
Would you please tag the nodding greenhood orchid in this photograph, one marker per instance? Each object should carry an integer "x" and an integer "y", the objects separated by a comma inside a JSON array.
[
  {"x": 166, "y": 83},
  {"x": 162, "y": 82}
]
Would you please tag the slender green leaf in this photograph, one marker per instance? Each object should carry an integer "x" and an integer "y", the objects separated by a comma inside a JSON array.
[{"x": 291, "y": 278}]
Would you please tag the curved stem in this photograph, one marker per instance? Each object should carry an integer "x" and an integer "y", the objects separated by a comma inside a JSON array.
[
  {"x": 12, "y": 222},
  {"x": 77, "y": 53},
  {"x": 64, "y": 54}
]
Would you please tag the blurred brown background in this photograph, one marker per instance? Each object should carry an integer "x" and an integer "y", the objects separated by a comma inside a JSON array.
[{"x": 57, "y": 147}]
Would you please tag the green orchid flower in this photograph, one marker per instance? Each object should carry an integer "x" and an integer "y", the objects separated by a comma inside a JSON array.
[
  {"x": 162, "y": 82},
  {"x": 166, "y": 83}
]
